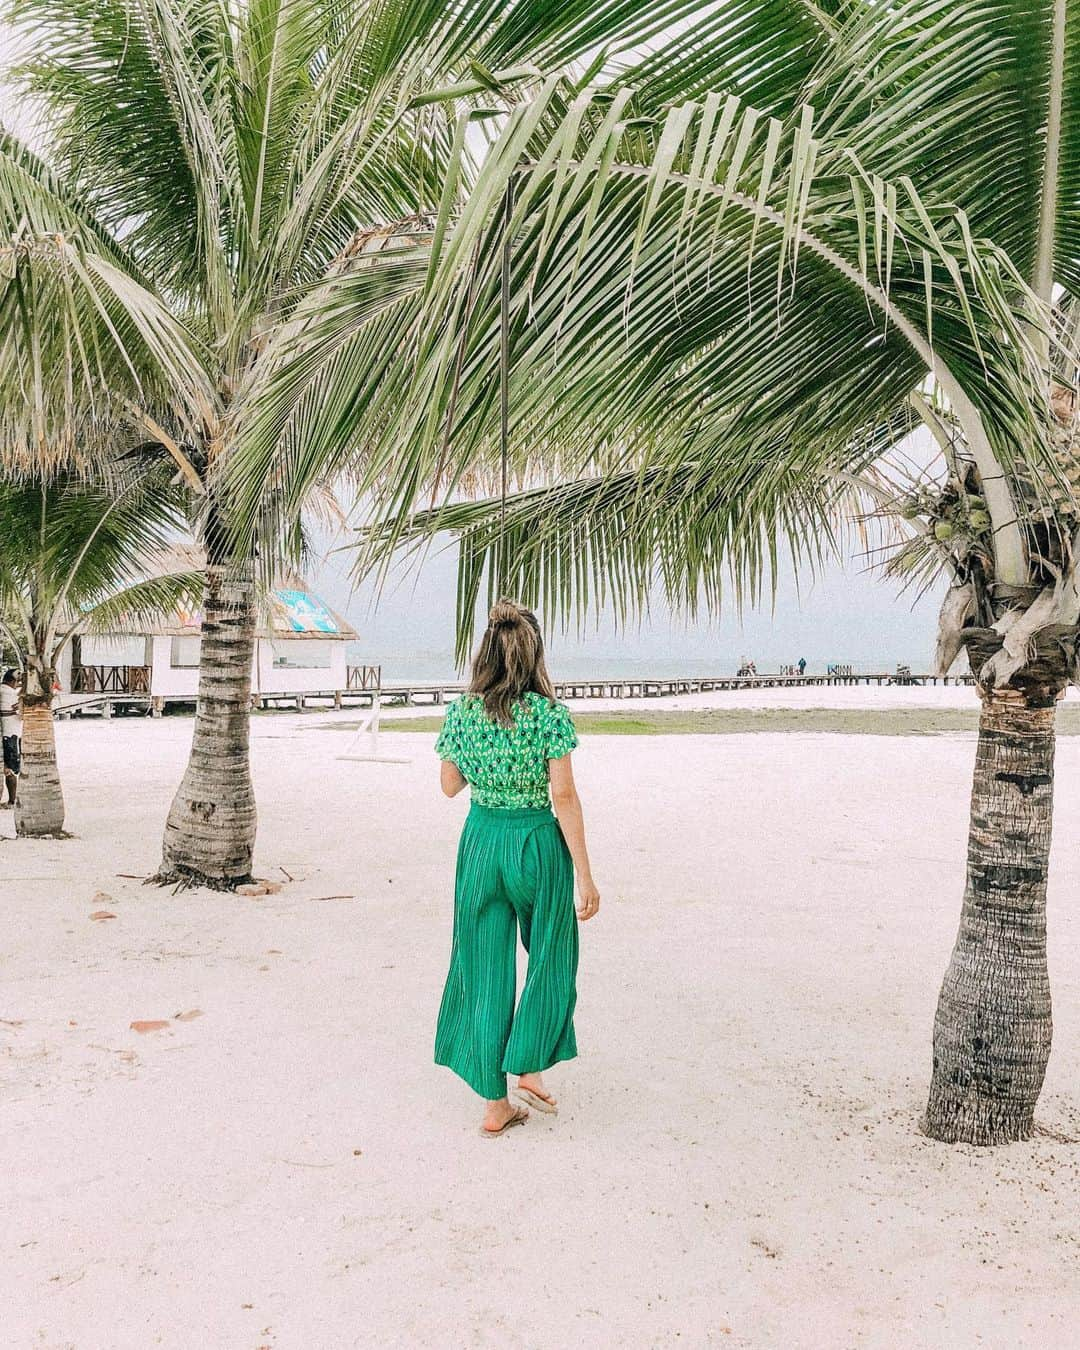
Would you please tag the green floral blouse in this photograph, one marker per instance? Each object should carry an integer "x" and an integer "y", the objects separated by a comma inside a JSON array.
[{"x": 506, "y": 766}]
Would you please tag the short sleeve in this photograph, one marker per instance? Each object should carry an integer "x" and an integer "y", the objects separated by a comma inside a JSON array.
[
  {"x": 446, "y": 747},
  {"x": 561, "y": 737}
]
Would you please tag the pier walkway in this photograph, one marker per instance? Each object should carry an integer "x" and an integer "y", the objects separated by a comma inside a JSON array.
[{"x": 419, "y": 693}]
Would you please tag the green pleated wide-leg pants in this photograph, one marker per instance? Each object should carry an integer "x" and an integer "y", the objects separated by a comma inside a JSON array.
[{"x": 513, "y": 870}]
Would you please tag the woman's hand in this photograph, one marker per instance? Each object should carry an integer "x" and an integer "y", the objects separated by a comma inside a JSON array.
[{"x": 588, "y": 898}]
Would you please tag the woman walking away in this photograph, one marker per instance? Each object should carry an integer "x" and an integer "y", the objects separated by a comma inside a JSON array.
[{"x": 510, "y": 742}]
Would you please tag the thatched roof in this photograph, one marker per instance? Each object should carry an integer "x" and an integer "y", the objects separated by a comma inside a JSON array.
[{"x": 291, "y": 609}]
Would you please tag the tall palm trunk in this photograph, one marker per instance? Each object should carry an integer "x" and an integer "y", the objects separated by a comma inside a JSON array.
[
  {"x": 993, "y": 1025},
  {"x": 39, "y": 807},
  {"x": 210, "y": 832}
]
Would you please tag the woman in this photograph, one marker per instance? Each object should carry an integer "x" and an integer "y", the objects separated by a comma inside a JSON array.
[{"x": 510, "y": 742}]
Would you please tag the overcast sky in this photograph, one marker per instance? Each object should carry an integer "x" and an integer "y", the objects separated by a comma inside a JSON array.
[{"x": 847, "y": 615}]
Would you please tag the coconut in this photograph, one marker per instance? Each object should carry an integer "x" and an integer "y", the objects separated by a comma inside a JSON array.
[
  {"x": 943, "y": 530},
  {"x": 979, "y": 521},
  {"x": 909, "y": 508}
]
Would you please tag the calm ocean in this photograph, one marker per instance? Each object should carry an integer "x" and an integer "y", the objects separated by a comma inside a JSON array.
[{"x": 433, "y": 667}]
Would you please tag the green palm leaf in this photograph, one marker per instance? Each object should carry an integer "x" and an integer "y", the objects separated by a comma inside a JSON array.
[
  {"x": 672, "y": 308},
  {"x": 71, "y": 545},
  {"x": 713, "y": 526}
]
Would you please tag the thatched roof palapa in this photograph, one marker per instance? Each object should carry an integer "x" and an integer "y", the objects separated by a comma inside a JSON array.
[{"x": 289, "y": 610}]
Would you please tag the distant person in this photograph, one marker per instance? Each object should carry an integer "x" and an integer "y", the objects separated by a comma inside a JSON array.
[
  {"x": 11, "y": 734},
  {"x": 802, "y": 665},
  {"x": 509, "y": 741}
]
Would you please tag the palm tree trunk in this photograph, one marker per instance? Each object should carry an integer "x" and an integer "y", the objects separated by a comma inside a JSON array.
[
  {"x": 993, "y": 1025},
  {"x": 39, "y": 807},
  {"x": 210, "y": 832}
]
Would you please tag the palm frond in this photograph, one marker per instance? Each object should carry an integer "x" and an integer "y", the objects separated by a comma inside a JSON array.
[
  {"x": 715, "y": 527},
  {"x": 730, "y": 272},
  {"x": 134, "y": 605},
  {"x": 138, "y": 96},
  {"x": 68, "y": 543},
  {"x": 81, "y": 340},
  {"x": 959, "y": 97}
]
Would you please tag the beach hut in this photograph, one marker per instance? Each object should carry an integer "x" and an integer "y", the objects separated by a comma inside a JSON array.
[{"x": 300, "y": 650}]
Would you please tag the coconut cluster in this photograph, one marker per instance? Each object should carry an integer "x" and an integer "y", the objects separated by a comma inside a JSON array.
[{"x": 956, "y": 516}]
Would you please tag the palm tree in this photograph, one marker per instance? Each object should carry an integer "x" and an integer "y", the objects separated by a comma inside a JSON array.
[
  {"x": 715, "y": 320},
  {"x": 74, "y": 555},
  {"x": 216, "y": 163}
]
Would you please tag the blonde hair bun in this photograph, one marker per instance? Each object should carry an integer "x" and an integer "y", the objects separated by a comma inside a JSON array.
[
  {"x": 509, "y": 663},
  {"x": 505, "y": 613}
]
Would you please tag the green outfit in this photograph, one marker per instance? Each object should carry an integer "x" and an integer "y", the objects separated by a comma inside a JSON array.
[
  {"x": 513, "y": 871},
  {"x": 507, "y": 766}
]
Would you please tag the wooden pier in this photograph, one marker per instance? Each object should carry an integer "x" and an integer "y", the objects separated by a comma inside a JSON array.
[
  {"x": 106, "y": 694},
  {"x": 107, "y": 691},
  {"x": 418, "y": 693}
]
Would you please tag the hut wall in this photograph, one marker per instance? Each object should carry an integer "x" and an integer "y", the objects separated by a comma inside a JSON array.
[
  {"x": 312, "y": 665},
  {"x": 63, "y": 670},
  {"x": 282, "y": 666},
  {"x": 114, "y": 651},
  {"x": 174, "y": 681},
  {"x": 102, "y": 651}
]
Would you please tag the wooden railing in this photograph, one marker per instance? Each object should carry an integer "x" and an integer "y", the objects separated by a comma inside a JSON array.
[
  {"x": 110, "y": 679},
  {"x": 366, "y": 679}
]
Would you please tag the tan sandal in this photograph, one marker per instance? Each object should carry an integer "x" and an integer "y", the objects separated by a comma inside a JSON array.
[
  {"x": 518, "y": 1118},
  {"x": 531, "y": 1098}
]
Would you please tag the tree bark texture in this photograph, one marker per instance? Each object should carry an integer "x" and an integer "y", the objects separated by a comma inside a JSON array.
[
  {"x": 39, "y": 807},
  {"x": 992, "y": 1029},
  {"x": 210, "y": 832}
]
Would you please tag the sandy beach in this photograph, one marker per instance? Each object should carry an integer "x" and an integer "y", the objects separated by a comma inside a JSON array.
[{"x": 736, "y": 1163}]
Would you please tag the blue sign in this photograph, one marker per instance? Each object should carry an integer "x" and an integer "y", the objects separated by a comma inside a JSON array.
[{"x": 306, "y": 614}]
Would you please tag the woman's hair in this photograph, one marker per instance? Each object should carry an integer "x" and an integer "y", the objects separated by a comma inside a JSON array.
[{"x": 509, "y": 662}]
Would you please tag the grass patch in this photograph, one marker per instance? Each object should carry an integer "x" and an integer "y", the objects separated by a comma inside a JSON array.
[{"x": 743, "y": 721}]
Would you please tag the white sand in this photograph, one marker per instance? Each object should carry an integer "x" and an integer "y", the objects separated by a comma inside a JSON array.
[{"x": 736, "y": 1162}]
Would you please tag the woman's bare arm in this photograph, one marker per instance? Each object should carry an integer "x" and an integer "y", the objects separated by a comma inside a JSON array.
[
  {"x": 451, "y": 779},
  {"x": 567, "y": 804}
]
